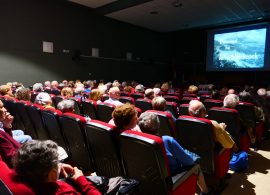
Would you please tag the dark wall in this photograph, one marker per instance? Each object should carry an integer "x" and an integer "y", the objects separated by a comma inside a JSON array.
[
  {"x": 25, "y": 24},
  {"x": 189, "y": 57}
]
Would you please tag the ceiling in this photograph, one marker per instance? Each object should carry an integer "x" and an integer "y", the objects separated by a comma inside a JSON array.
[{"x": 173, "y": 15}]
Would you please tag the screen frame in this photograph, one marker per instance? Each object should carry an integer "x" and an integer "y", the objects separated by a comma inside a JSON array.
[{"x": 210, "y": 47}]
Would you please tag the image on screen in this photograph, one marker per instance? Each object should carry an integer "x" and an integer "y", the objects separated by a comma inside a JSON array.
[{"x": 239, "y": 50}]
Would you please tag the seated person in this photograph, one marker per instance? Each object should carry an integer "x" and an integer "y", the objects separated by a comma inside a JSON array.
[
  {"x": 36, "y": 163},
  {"x": 6, "y": 125},
  {"x": 23, "y": 94},
  {"x": 159, "y": 103},
  {"x": 139, "y": 88},
  {"x": 38, "y": 87},
  {"x": 231, "y": 101},
  {"x": 5, "y": 90},
  {"x": 67, "y": 92},
  {"x": 66, "y": 106},
  {"x": 95, "y": 95},
  {"x": 44, "y": 99},
  {"x": 197, "y": 109},
  {"x": 125, "y": 117},
  {"x": 114, "y": 95},
  {"x": 179, "y": 158},
  {"x": 149, "y": 94}
]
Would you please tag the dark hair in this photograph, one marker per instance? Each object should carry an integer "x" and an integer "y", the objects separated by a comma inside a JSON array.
[{"x": 35, "y": 159}]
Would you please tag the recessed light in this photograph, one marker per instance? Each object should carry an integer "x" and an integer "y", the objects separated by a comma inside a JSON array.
[{"x": 259, "y": 18}]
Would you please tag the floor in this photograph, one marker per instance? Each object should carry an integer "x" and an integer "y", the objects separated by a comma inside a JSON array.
[{"x": 257, "y": 179}]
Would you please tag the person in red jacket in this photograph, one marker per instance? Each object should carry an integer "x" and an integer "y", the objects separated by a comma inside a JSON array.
[{"x": 36, "y": 164}]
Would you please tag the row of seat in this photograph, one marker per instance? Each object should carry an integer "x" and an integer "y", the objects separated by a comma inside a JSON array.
[{"x": 97, "y": 146}]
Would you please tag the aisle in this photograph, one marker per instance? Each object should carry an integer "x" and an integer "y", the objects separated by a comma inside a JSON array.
[{"x": 257, "y": 178}]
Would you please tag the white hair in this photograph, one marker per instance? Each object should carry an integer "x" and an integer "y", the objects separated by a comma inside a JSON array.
[
  {"x": 231, "y": 101},
  {"x": 38, "y": 86},
  {"x": 65, "y": 105}
]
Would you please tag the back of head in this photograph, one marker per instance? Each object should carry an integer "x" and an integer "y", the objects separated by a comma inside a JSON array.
[
  {"x": 231, "y": 101},
  {"x": 149, "y": 93},
  {"x": 35, "y": 159},
  {"x": 192, "y": 89},
  {"x": 122, "y": 115},
  {"x": 196, "y": 108},
  {"x": 23, "y": 94},
  {"x": 95, "y": 95},
  {"x": 67, "y": 92},
  {"x": 157, "y": 91},
  {"x": 139, "y": 88},
  {"x": 149, "y": 123},
  {"x": 38, "y": 87},
  {"x": 43, "y": 98},
  {"x": 114, "y": 92},
  {"x": 4, "y": 89},
  {"x": 54, "y": 84},
  {"x": 66, "y": 106},
  {"x": 159, "y": 103},
  {"x": 261, "y": 92}
]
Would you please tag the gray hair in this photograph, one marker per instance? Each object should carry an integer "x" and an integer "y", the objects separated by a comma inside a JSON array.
[
  {"x": 43, "y": 98},
  {"x": 139, "y": 88},
  {"x": 35, "y": 159},
  {"x": 66, "y": 106},
  {"x": 38, "y": 87},
  {"x": 159, "y": 103},
  {"x": 231, "y": 101},
  {"x": 261, "y": 92},
  {"x": 149, "y": 122}
]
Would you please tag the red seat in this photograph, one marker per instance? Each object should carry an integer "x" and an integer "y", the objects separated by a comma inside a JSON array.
[
  {"x": 143, "y": 104},
  {"x": 171, "y": 98},
  {"x": 137, "y": 95},
  {"x": 34, "y": 112},
  {"x": 231, "y": 118},
  {"x": 196, "y": 135},
  {"x": 51, "y": 124},
  {"x": 13, "y": 182},
  {"x": 183, "y": 109},
  {"x": 172, "y": 107},
  {"x": 104, "y": 111},
  {"x": 102, "y": 138},
  {"x": 89, "y": 108},
  {"x": 209, "y": 103},
  {"x": 145, "y": 160},
  {"x": 187, "y": 99},
  {"x": 125, "y": 99},
  {"x": 73, "y": 128}
]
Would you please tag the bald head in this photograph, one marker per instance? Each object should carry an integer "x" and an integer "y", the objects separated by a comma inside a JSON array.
[{"x": 196, "y": 108}]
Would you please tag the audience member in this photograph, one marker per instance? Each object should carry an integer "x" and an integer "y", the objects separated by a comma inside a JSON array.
[
  {"x": 67, "y": 92},
  {"x": 179, "y": 158},
  {"x": 5, "y": 90},
  {"x": 23, "y": 94},
  {"x": 37, "y": 164},
  {"x": 124, "y": 117},
  {"x": 38, "y": 87},
  {"x": 159, "y": 103},
  {"x": 149, "y": 94},
  {"x": 114, "y": 95},
  {"x": 197, "y": 109},
  {"x": 6, "y": 125},
  {"x": 95, "y": 95},
  {"x": 66, "y": 106},
  {"x": 139, "y": 88},
  {"x": 44, "y": 99}
]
